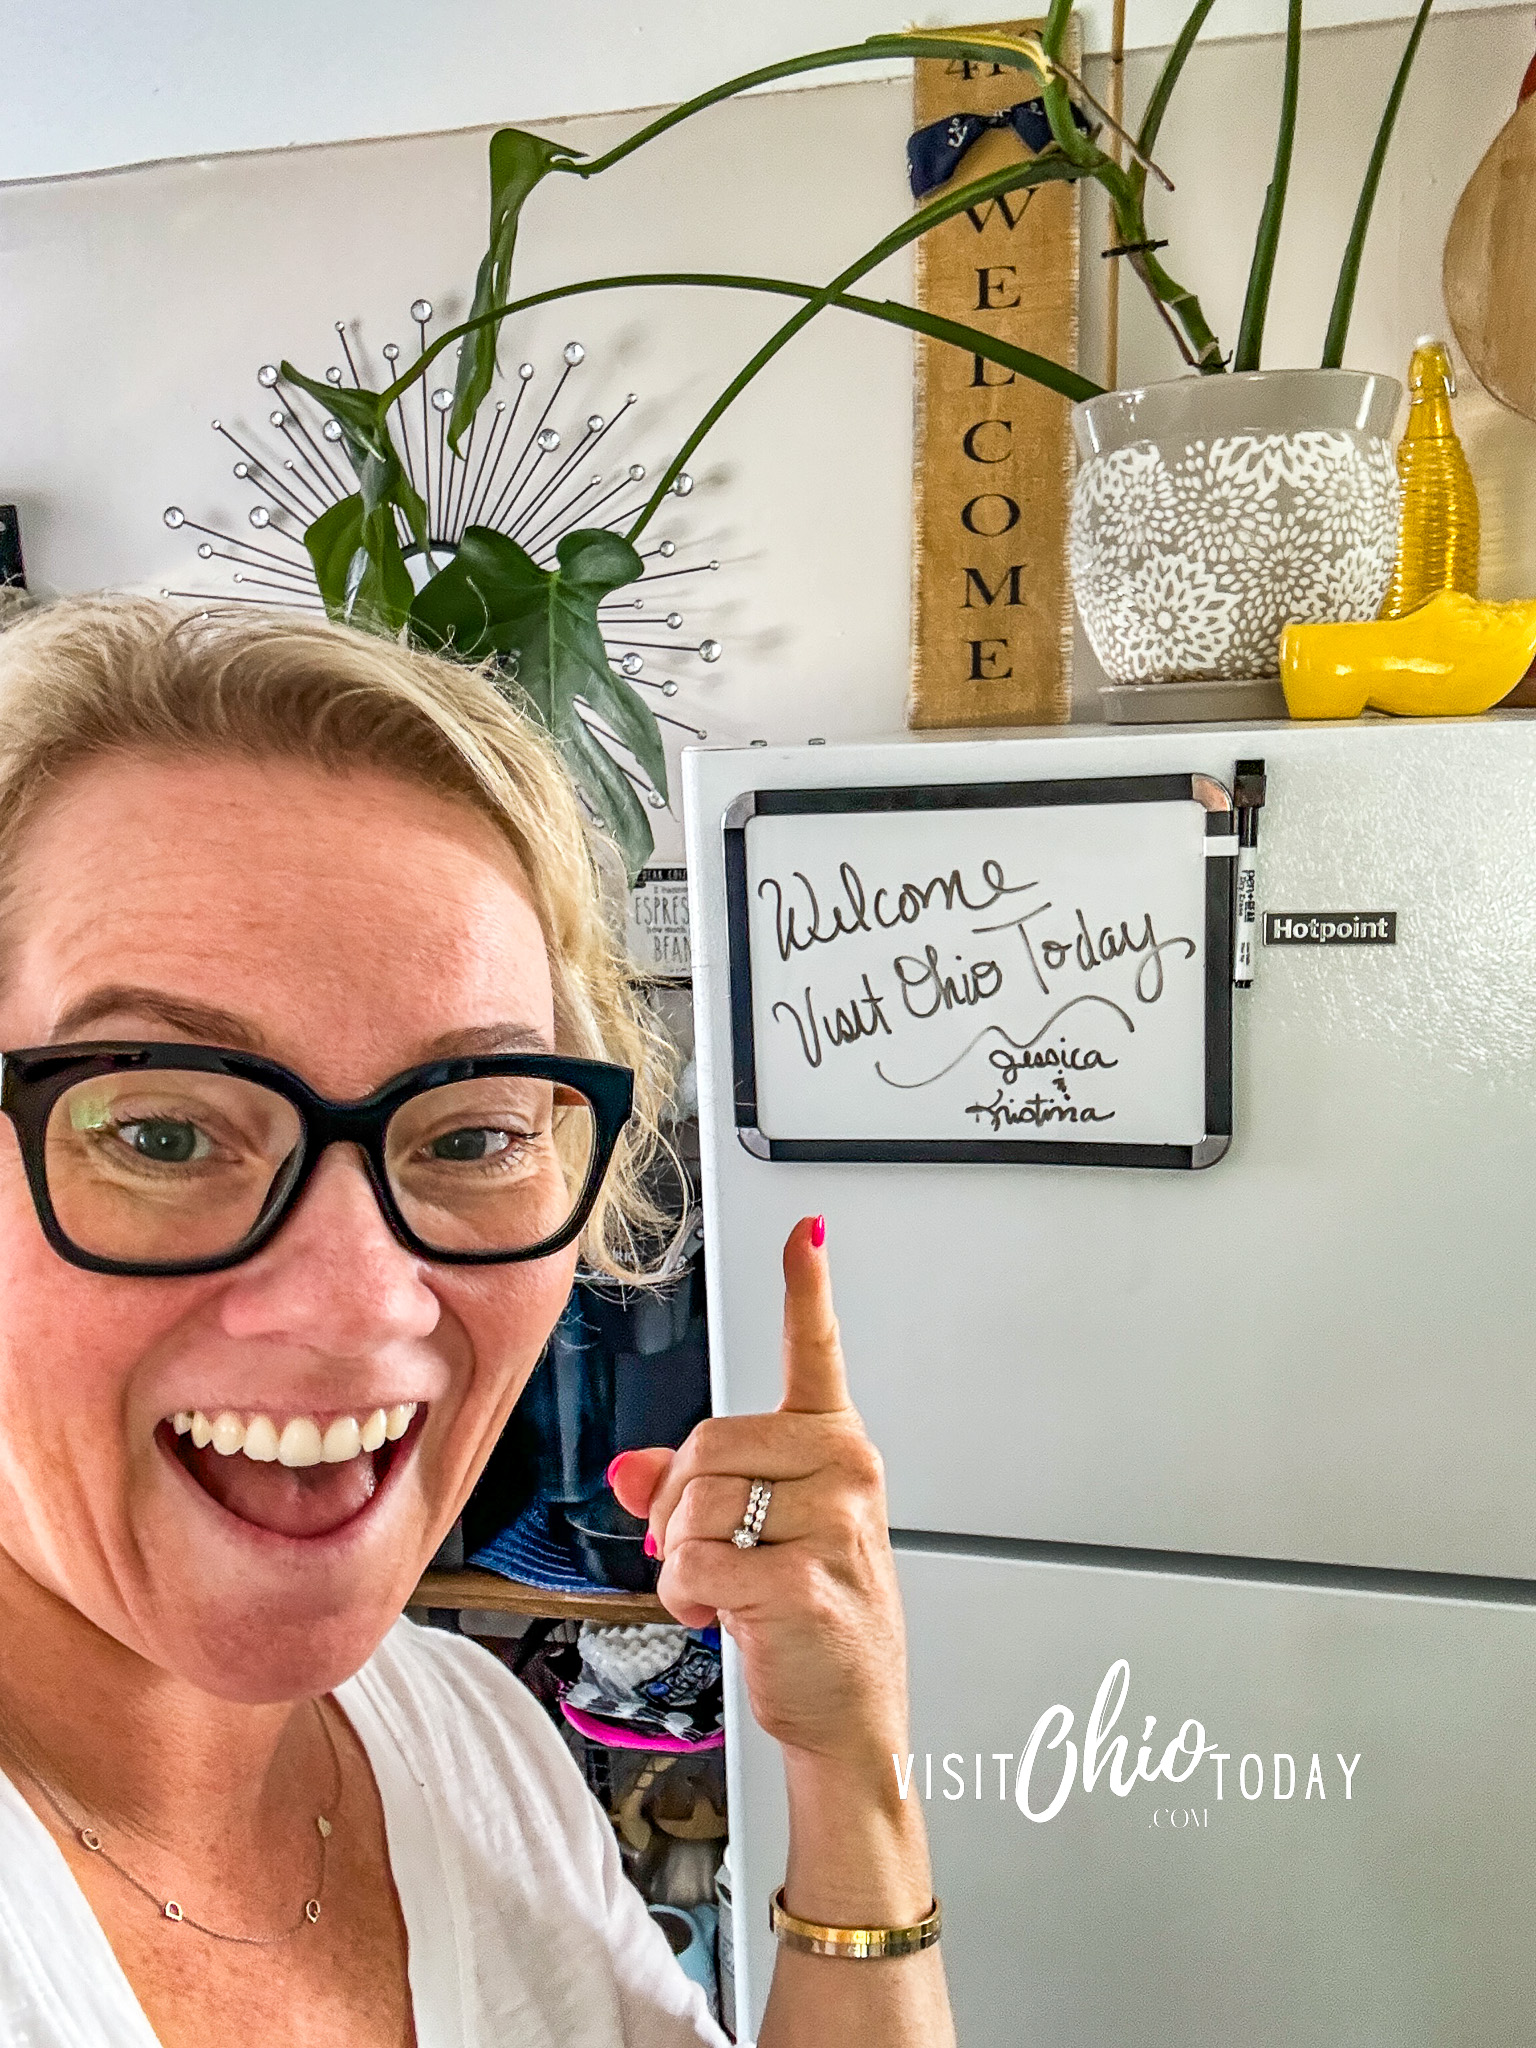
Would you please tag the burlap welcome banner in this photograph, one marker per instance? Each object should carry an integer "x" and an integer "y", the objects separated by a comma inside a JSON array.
[{"x": 991, "y": 606}]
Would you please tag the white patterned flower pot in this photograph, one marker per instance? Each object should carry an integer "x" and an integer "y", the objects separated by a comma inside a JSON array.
[{"x": 1209, "y": 511}]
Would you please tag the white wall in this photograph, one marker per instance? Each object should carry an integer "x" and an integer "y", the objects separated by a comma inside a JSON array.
[
  {"x": 135, "y": 305},
  {"x": 89, "y": 84}
]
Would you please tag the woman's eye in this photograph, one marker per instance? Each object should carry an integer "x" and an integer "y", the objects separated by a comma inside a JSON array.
[
  {"x": 473, "y": 1144},
  {"x": 165, "y": 1140}
]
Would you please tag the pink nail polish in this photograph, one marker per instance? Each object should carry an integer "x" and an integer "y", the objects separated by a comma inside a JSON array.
[
  {"x": 649, "y": 1545},
  {"x": 613, "y": 1466},
  {"x": 819, "y": 1232}
]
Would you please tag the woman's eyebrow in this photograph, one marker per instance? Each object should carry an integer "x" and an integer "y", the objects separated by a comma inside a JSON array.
[
  {"x": 484, "y": 1040},
  {"x": 207, "y": 1024},
  {"x": 203, "y": 1022}
]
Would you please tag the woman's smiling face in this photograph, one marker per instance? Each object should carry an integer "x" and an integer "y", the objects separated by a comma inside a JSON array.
[{"x": 348, "y": 926}]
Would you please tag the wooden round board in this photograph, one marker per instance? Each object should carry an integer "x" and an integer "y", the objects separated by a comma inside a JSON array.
[{"x": 1489, "y": 277}]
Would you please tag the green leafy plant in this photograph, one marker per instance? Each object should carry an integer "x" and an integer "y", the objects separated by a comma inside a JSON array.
[{"x": 539, "y": 626}]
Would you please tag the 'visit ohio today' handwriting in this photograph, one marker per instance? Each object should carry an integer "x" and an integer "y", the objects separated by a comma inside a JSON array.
[{"x": 923, "y": 982}]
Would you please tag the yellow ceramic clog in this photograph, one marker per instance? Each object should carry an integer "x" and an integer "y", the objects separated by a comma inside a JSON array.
[{"x": 1453, "y": 657}]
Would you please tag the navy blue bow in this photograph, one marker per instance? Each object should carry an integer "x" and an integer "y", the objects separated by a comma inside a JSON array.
[{"x": 934, "y": 153}]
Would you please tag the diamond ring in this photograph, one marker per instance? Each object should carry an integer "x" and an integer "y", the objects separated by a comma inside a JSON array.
[{"x": 749, "y": 1534}]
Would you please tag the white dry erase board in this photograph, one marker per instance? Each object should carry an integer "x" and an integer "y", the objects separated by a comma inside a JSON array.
[{"x": 1031, "y": 971}]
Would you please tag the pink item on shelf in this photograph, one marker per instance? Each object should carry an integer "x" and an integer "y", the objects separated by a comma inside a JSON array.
[{"x": 616, "y": 1736}]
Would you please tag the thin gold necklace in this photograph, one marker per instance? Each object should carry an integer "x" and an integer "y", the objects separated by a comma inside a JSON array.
[{"x": 89, "y": 1839}]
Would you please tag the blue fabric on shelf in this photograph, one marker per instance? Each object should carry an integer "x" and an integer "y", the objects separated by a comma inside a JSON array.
[{"x": 531, "y": 1554}]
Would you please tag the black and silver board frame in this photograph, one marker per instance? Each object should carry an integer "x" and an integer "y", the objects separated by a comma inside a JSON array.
[{"x": 1220, "y": 842}]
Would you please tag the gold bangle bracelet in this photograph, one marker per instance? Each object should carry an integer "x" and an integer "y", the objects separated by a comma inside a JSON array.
[{"x": 859, "y": 1944}]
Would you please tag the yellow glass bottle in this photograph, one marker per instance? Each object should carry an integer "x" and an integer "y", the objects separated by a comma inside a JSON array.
[{"x": 1438, "y": 533}]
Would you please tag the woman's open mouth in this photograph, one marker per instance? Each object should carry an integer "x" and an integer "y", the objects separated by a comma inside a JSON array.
[{"x": 294, "y": 1475}]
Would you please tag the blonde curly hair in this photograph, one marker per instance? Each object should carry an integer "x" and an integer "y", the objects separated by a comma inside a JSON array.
[{"x": 90, "y": 677}]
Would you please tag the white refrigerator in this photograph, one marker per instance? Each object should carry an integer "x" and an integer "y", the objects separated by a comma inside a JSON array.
[{"x": 1220, "y": 1439}]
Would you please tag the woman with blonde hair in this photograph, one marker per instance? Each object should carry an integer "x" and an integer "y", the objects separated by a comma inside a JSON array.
[{"x": 320, "y": 1069}]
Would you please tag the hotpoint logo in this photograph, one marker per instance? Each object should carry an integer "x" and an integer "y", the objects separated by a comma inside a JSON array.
[{"x": 1277, "y": 1775}]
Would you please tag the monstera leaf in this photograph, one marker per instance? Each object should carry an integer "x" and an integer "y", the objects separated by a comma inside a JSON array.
[
  {"x": 355, "y": 545},
  {"x": 363, "y": 418},
  {"x": 494, "y": 599},
  {"x": 518, "y": 162},
  {"x": 360, "y": 566}
]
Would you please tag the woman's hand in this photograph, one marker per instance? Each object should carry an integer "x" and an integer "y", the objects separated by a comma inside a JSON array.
[{"x": 814, "y": 1609}]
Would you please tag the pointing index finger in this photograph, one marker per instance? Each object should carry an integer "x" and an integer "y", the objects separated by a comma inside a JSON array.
[{"x": 815, "y": 1382}]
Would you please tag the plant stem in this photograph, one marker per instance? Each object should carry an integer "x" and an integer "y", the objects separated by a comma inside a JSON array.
[
  {"x": 1068, "y": 137},
  {"x": 1040, "y": 369},
  {"x": 1162, "y": 92},
  {"x": 1177, "y": 303},
  {"x": 1053, "y": 37},
  {"x": 1250, "y": 337},
  {"x": 1044, "y": 169},
  {"x": 875, "y": 48},
  {"x": 1039, "y": 170},
  {"x": 1201, "y": 348},
  {"x": 1077, "y": 157},
  {"x": 1125, "y": 188},
  {"x": 1354, "y": 248}
]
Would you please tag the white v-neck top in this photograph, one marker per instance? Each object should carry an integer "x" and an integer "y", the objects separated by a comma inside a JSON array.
[{"x": 522, "y": 1925}]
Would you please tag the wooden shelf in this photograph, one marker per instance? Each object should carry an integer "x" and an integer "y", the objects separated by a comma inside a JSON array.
[{"x": 489, "y": 1591}]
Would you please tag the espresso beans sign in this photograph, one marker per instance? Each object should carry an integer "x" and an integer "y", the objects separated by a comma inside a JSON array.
[
  {"x": 658, "y": 924},
  {"x": 991, "y": 605}
]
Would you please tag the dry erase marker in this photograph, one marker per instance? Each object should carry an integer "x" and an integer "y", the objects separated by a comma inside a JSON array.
[{"x": 1248, "y": 800}]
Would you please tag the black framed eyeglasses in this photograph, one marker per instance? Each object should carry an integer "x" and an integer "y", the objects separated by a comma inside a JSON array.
[{"x": 157, "y": 1159}]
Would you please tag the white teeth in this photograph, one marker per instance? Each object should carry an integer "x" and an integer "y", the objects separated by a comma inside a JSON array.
[
  {"x": 261, "y": 1440},
  {"x": 342, "y": 1442},
  {"x": 228, "y": 1434},
  {"x": 299, "y": 1443}
]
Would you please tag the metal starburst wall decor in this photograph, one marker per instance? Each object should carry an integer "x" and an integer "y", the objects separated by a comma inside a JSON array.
[{"x": 533, "y": 499}]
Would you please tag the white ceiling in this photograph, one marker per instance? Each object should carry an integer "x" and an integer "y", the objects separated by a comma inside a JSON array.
[{"x": 90, "y": 84}]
